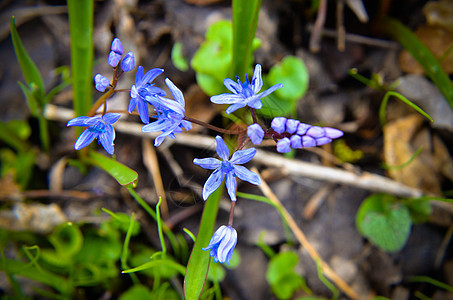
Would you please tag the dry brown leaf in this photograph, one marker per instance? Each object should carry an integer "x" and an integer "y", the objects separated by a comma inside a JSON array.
[{"x": 402, "y": 138}]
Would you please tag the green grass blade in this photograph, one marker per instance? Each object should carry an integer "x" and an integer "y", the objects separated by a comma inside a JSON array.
[
  {"x": 198, "y": 266},
  {"x": 28, "y": 66},
  {"x": 81, "y": 30},
  {"x": 245, "y": 20},
  {"x": 422, "y": 54},
  {"x": 382, "y": 108}
]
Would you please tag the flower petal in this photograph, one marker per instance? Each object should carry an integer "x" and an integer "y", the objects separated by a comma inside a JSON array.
[
  {"x": 106, "y": 139},
  {"x": 227, "y": 98},
  {"x": 176, "y": 93},
  {"x": 257, "y": 82},
  {"x": 85, "y": 139},
  {"x": 151, "y": 75},
  {"x": 245, "y": 174},
  {"x": 132, "y": 105},
  {"x": 234, "y": 107},
  {"x": 111, "y": 118},
  {"x": 143, "y": 111},
  {"x": 232, "y": 86},
  {"x": 207, "y": 163},
  {"x": 222, "y": 149},
  {"x": 212, "y": 183},
  {"x": 231, "y": 185},
  {"x": 139, "y": 76},
  {"x": 270, "y": 90},
  {"x": 79, "y": 121},
  {"x": 242, "y": 156}
]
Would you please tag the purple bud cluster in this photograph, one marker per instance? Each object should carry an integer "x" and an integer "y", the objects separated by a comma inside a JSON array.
[
  {"x": 294, "y": 134},
  {"x": 127, "y": 64}
]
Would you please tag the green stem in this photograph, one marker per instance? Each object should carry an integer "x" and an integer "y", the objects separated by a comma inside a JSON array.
[{"x": 215, "y": 128}]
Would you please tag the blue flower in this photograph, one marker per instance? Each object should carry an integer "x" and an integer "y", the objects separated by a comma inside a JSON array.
[
  {"x": 101, "y": 82},
  {"x": 246, "y": 93},
  {"x": 170, "y": 115},
  {"x": 99, "y": 128},
  {"x": 143, "y": 92},
  {"x": 222, "y": 244},
  {"x": 115, "y": 53},
  {"x": 228, "y": 168},
  {"x": 128, "y": 62},
  {"x": 255, "y": 133}
]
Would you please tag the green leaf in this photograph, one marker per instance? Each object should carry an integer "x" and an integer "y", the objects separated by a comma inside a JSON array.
[
  {"x": 29, "y": 68},
  {"x": 422, "y": 54},
  {"x": 178, "y": 59},
  {"x": 245, "y": 20},
  {"x": 212, "y": 61},
  {"x": 67, "y": 239},
  {"x": 281, "y": 276},
  {"x": 419, "y": 209},
  {"x": 216, "y": 272},
  {"x": 81, "y": 31},
  {"x": 136, "y": 292},
  {"x": 30, "y": 98},
  {"x": 293, "y": 74},
  {"x": 197, "y": 268},
  {"x": 123, "y": 174},
  {"x": 384, "y": 221},
  {"x": 14, "y": 134}
]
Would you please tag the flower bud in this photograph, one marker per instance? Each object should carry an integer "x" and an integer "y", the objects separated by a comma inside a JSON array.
[
  {"x": 222, "y": 244},
  {"x": 128, "y": 62}
]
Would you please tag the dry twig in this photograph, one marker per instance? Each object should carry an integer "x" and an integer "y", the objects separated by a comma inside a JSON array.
[{"x": 326, "y": 269}]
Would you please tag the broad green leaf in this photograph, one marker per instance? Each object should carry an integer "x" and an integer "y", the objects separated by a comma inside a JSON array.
[
  {"x": 422, "y": 54},
  {"x": 81, "y": 31},
  {"x": 29, "y": 68},
  {"x": 281, "y": 276},
  {"x": 178, "y": 59},
  {"x": 123, "y": 174},
  {"x": 197, "y": 268},
  {"x": 274, "y": 106},
  {"x": 384, "y": 221},
  {"x": 293, "y": 74},
  {"x": 212, "y": 61},
  {"x": 216, "y": 272},
  {"x": 245, "y": 20}
]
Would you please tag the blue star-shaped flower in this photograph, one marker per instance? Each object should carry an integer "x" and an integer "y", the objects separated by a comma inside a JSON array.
[
  {"x": 228, "y": 169},
  {"x": 222, "y": 244},
  {"x": 99, "y": 128},
  {"x": 144, "y": 92},
  {"x": 170, "y": 115},
  {"x": 246, "y": 93}
]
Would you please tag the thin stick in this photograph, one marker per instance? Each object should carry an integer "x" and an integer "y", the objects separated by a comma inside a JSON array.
[
  {"x": 152, "y": 164},
  {"x": 212, "y": 127},
  {"x": 315, "y": 39},
  {"x": 327, "y": 271},
  {"x": 364, "y": 180}
]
